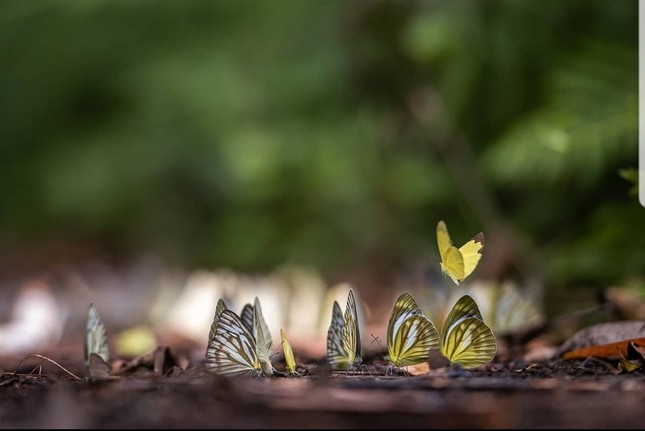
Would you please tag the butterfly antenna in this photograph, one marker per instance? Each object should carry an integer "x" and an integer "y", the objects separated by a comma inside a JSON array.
[{"x": 375, "y": 339}]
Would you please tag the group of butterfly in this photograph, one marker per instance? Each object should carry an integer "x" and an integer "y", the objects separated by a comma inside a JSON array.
[{"x": 241, "y": 344}]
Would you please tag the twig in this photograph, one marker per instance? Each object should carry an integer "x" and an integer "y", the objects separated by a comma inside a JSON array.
[{"x": 47, "y": 359}]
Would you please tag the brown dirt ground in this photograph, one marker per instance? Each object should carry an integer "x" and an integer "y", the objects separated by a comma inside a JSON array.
[{"x": 553, "y": 394}]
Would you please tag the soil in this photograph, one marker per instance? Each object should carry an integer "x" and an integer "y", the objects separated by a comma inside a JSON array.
[{"x": 156, "y": 393}]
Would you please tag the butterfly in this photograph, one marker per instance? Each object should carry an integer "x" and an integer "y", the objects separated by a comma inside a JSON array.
[
  {"x": 289, "y": 359},
  {"x": 343, "y": 337},
  {"x": 458, "y": 263},
  {"x": 465, "y": 339},
  {"x": 95, "y": 336},
  {"x": 410, "y": 334},
  {"x": 97, "y": 354},
  {"x": 237, "y": 347}
]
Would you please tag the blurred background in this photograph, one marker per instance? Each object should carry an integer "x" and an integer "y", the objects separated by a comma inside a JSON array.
[{"x": 146, "y": 144}]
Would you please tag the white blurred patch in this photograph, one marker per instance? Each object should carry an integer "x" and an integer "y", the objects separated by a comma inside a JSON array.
[
  {"x": 36, "y": 321},
  {"x": 191, "y": 313}
]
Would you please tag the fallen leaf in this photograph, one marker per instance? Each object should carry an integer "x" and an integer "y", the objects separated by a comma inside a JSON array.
[
  {"x": 610, "y": 350},
  {"x": 604, "y": 333}
]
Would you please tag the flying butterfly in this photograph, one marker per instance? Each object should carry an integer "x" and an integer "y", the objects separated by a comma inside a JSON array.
[
  {"x": 410, "y": 334},
  {"x": 343, "y": 337},
  {"x": 97, "y": 354},
  {"x": 289, "y": 359},
  {"x": 465, "y": 339},
  {"x": 458, "y": 263}
]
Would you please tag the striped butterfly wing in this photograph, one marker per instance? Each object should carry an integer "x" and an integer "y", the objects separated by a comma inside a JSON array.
[
  {"x": 413, "y": 340},
  {"x": 247, "y": 316},
  {"x": 221, "y": 306},
  {"x": 464, "y": 308},
  {"x": 289, "y": 359},
  {"x": 262, "y": 337},
  {"x": 232, "y": 350},
  {"x": 466, "y": 340},
  {"x": 410, "y": 334},
  {"x": 404, "y": 307},
  {"x": 337, "y": 355},
  {"x": 470, "y": 343},
  {"x": 95, "y": 336},
  {"x": 351, "y": 333}
]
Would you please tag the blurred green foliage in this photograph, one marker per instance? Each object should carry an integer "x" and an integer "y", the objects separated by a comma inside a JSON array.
[{"x": 249, "y": 133}]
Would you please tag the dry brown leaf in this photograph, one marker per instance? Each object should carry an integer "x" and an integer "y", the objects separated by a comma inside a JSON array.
[
  {"x": 610, "y": 350},
  {"x": 603, "y": 333}
]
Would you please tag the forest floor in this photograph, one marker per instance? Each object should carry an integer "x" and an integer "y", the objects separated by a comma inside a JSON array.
[{"x": 546, "y": 394}]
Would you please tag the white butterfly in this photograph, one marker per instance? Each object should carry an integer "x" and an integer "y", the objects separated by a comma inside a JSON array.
[
  {"x": 234, "y": 348},
  {"x": 97, "y": 354},
  {"x": 343, "y": 337},
  {"x": 95, "y": 336}
]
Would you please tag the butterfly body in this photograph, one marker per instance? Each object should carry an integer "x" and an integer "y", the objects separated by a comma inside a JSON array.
[
  {"x": 458, "y": 263},
  {"x": 343, "y": 337}
]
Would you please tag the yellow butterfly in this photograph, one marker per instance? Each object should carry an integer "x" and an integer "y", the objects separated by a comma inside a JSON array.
[
  {"x": 410, "y": 334},
  {"x": 234, "y": 348},
  {"x": 465, "y": 339},
  {"x": 343, "y": 337},
  {"x": 289, "y": 359},
  {"x": 458, "y": 263}
]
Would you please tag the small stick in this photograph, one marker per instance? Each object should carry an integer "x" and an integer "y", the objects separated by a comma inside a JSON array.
[{"x": 47, "y": 359}]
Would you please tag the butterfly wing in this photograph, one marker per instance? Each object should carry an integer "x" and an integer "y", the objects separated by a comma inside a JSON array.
[
  {"x": 351, "y": 333},
  {"x": 337, "y": 355},
  {"x": 464, "y": 308},
  {"x": 404, "y": 307},
  {"x": 95, "y": 336},
  {"x": 471, "y": 253},
  {"x": 98, "y": 368},
  {"x": 262, "y": 338},
  {"x": 513, "y": 311},
  {"x": 453, "y": 266},
  {"x": 413, "y": 340},
  {"x": 247, "y": 316},
  {"x": 470, "y": 343},
  {"x": 443, "y": 240},
  {"x": 232, "y": 349},
  {"x": 452, "y": 261},
  {"x": 221, "y": 306},
  {"x": 289, "y": 359},
  {"x": 410, "y": 334},
  {"x": 465, "y": 339}
]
